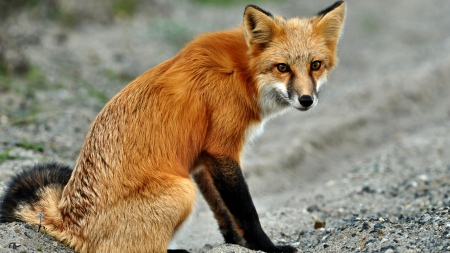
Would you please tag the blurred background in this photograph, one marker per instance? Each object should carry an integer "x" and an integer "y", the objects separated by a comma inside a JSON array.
[{"x": 62, "y": 60}]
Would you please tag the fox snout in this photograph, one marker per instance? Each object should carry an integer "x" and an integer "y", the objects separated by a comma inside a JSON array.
[{"x": 306, "y": 101}]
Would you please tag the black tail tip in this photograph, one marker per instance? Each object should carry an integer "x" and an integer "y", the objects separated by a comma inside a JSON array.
[{"x": 24, "y": 187}]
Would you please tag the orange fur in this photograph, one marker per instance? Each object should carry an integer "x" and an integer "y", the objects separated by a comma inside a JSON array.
[{"x": 131, "y": 189}]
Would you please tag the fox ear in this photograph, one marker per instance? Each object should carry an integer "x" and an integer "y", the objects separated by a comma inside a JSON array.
[
  {"x": 259, "y": 25},
  {"x": 330, "y": 23}
]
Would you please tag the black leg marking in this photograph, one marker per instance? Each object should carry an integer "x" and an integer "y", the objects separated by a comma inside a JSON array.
[
  {"x": 230, "y": 183},
  {"x": 221, "y": 213}
]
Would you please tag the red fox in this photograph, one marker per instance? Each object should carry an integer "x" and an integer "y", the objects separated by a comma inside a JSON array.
[{"x": 180, "y": 124}]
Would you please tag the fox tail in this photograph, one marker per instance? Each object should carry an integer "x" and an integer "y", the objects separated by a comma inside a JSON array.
[{"x": 33, "y": 195}]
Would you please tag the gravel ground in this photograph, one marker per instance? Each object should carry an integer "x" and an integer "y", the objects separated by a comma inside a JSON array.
[
  {"x": 395, "y": 201},
  {"x": 366, "y": 171}
]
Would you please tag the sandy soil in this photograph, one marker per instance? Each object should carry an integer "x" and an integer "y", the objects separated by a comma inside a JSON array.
[{"x": 372, "y": 161}]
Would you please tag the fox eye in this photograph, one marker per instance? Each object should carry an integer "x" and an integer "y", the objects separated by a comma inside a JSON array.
[
  {"x": 282, "y": 67},
  {"x": 315, "y": 65}
]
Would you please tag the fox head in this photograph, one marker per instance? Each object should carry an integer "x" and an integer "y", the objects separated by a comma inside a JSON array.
[{"x": 291, "y": 58}]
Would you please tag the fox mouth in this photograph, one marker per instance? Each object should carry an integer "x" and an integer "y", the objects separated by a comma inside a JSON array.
[
  {"x": 303, "y": 109},
  {"x": 274, "y": 98},
  {"x": 295, "y": 104}
]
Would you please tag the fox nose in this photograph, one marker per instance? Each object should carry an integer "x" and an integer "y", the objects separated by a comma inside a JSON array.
[{"x": 306, "y": 101}]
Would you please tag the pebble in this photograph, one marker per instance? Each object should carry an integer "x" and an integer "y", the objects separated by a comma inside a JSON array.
[
  {"x": 353, "y": 221},
  {"x": 390, "y": 247},
  {"x": 378, "y": 226},
  {"x": 425, "y": 219},
  {"x": 365, "y": 225},
  {"x": 313, "y": 208}
]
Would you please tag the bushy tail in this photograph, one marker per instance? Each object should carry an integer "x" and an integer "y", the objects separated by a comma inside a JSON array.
[{"x": 34, "y": 191}]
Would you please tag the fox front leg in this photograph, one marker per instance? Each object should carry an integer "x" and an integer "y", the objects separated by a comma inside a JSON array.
[
  {"x": 224, "y": 187},
  {"x": 226, "y": 223}
]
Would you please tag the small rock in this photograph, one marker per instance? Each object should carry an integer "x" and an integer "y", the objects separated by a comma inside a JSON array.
[
  {"x": 373, "y": 218},
  {"x": 425, "y": 219},
  {"x": 378, "y": 226},
  {"x": 436, "y": 219},
  {"x": 423, "y": 177},
  {"x": 13, "y": 245},
  {"x": 371, "y": 241},
  {"x": 367, "y": 189},
  {"x": 208, "y": 246},
  {"x": 285, "y": 234},
  {"x": 301, "y": 233},
  {"x": 282, "y": 240},
  {"x": 353, "y": 221},
  {"x": 365, "y": 225},
  {"x": 319, "y": 224},
  {"x": 313, "y": 208},
  {"x": 390, "y": 247}
]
